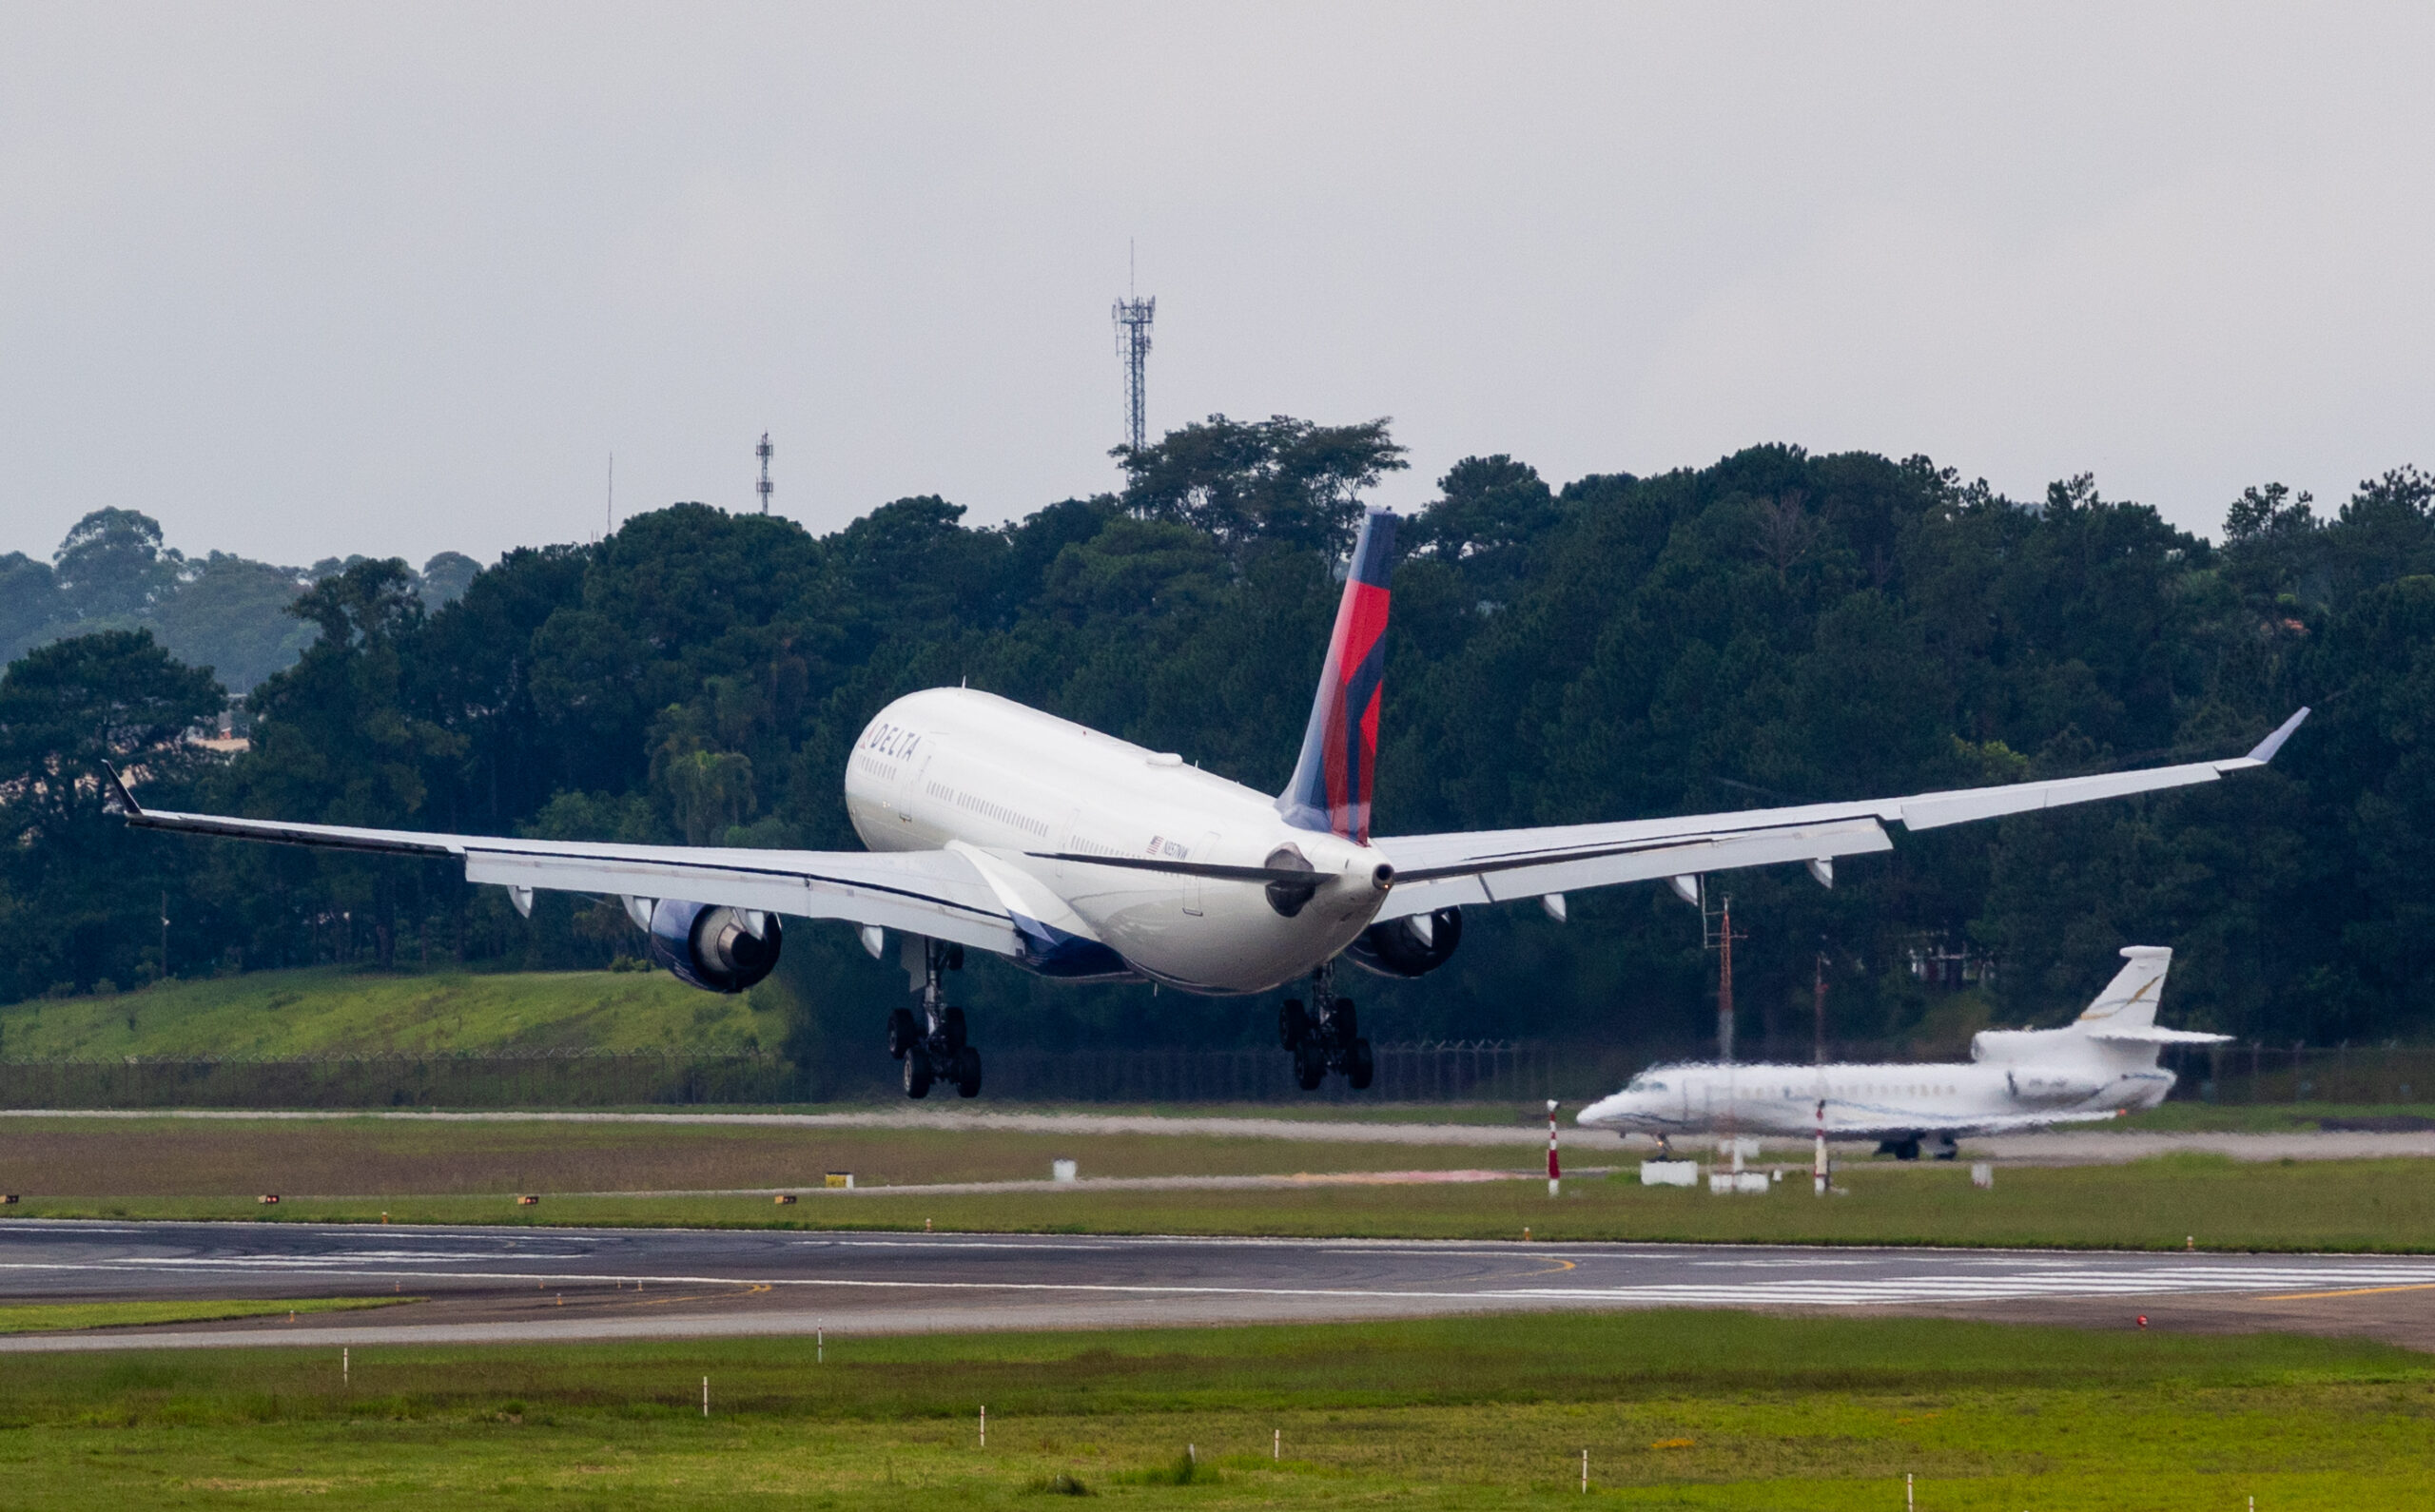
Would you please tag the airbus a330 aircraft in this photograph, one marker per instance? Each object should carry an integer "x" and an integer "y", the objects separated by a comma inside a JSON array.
[
  {"x": 994, "y": 826},
  {"x": 2101, "y": 1065}
]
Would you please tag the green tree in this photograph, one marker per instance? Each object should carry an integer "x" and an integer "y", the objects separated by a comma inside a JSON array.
[
  {"x": 83, "y": 890},
  {"x": 1279, "y": 480}
]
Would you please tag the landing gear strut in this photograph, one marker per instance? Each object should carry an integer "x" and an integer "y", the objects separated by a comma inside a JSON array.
[
  {"x": 1326, "y": 1036},
  {"x": 930, "y": 1039}
]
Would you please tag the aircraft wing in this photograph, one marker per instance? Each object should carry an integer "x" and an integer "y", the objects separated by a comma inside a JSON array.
[
  {"x": 1881, "y": 1123},
  {"x": 936, "y": 893},
  {"x": 1497, "y": 865}
]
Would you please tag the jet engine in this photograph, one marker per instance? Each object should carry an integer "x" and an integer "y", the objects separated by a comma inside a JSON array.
[
  {"x": 721, "y": 949},
  {"x": 1413, "y": 946}
]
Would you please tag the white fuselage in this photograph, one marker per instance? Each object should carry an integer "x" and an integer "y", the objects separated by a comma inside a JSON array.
[
  {"x": 1007, "y": 785},
  {"x": 2069, "y": 1074}
]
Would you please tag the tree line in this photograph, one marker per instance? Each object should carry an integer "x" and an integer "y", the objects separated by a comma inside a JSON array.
[{"x": 1776, "y": 627}]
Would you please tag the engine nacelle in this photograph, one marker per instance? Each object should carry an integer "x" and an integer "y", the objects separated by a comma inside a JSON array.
[
  {"x": 1408, "y": 947},
  {"x": 715, "y": 948}
]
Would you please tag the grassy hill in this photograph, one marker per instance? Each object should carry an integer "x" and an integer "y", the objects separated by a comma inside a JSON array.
[{"x": 341, "y": 1010}]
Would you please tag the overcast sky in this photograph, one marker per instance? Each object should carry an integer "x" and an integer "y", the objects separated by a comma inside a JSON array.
[{"x": 313, "y": 279}]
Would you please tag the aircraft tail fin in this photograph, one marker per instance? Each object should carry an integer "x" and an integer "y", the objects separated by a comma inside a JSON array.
[
  {"x": 1331, "y": 786},
  {"x": 2129, "y": 1001}
]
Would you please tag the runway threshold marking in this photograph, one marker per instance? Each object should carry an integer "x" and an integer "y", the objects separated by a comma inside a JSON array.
[{"x": 2353, "y": 1291}]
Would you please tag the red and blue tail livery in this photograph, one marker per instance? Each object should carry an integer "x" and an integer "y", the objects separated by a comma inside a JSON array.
[{"x": 1331, "y": 786}]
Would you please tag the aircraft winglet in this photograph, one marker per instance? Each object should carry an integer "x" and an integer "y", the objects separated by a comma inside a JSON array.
[
  {"x": 117, "y": 794},
  {"x": 2264, "y": 750}
]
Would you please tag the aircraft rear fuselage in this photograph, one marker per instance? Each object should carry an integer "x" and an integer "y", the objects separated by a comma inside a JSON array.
[{"x": 951, "y": 767}]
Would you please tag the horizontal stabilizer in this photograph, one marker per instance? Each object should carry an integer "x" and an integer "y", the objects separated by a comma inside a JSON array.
[{"x": 2152, "y": 1035}]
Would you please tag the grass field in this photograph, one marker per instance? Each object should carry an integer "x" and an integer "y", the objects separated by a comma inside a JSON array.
[
  {"x": 334, "y": 1010},
  {"x": 41, "y": 1317},
  {"x": 1700, "y": 1410},
  {"x": 2160, "y": 1204},
  {"x": 157, "y": 1157}
]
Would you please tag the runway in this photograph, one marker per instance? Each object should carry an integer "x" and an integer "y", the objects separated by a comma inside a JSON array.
[{"x": 488, "y": 1285}]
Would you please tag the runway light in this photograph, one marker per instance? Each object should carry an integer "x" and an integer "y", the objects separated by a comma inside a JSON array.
[
  {"x": 523, "y": 1200},
  {"x": 268, "y": 1199},
  {"x": 784, "y": 1199}
]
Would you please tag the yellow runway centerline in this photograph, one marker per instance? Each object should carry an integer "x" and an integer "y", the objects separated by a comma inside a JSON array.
[{"x": 2354, "y": 1292}]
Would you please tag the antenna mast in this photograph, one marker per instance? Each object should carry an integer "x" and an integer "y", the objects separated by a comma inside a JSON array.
[
  {"x": 764, "y": 451},
  {"x": 1133, "y": 343},
  {"x": 1717, "y": 933}
]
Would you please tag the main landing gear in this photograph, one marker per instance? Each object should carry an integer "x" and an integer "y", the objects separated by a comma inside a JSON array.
[
  {"x": 1326, "y": 1039},
  {"x": 1943, "y": 1147},
  {"x": 931, "y": 1040}
]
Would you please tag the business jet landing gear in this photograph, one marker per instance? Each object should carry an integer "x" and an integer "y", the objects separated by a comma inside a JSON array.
[
  {"x": 1904, "y": 1149},
  {"x": 1327, "y": 1039},
  {"x": 930, "y": 1040}
]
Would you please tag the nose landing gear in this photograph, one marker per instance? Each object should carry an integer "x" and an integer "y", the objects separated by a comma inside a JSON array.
[
  {"x": 1326, "y": 1039},
  {"x": 932, "y": 1040}
]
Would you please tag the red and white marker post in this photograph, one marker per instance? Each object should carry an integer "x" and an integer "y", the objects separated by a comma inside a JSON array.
[{"x": 1554, "y": 1175}]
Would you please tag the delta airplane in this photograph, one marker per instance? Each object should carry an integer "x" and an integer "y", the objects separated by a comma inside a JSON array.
[
  {"x": 2101, "y": 1065},
  {"x": 996, "y": 828}
]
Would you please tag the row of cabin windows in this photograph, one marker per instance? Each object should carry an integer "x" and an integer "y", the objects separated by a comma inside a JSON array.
[
  {"x": 1871, "y": 1090},
  {"x": 974, "y": 804}
]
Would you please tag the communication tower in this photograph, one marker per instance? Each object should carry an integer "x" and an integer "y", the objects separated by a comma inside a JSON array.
[
  {"x": 1133, "y": 343},
  {"x": 763, "y": 453}
]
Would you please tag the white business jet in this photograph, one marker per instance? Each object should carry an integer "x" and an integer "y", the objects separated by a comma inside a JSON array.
[
  {"x": 2101, "y": 1065},
  {"x": 994, "y": 826}
]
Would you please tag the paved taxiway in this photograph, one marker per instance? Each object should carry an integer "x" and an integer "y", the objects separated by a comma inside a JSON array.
[{"x": 533, "y": 1284}]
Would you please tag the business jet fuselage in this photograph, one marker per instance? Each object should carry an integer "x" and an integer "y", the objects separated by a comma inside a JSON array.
[{"x": 2100, "y": 1066}]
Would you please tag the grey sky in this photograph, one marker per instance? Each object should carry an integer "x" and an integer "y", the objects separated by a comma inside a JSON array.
[{"x": 303, "y": 281}]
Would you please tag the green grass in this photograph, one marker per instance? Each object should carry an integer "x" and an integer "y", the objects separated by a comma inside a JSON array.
[
  {"x": 1702, "y": 1410},
  {"x": 338, "y": 1010},
  {"x": 2159, "y": 1204},
  {"x": 43, "y": 1317}
]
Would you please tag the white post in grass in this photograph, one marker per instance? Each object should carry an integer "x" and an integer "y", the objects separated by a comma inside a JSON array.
[
  {"x": 1585, "y": 1472},
  {"x": 820, "y": 1344},
  {"x": 985, "y": 1427},
  {"x": 346, "y": 1367},
  {"x": 705, "y": 1396},
  {"x": 1908, "y": 1504},
  {"x": 1276, "y": 1448}
]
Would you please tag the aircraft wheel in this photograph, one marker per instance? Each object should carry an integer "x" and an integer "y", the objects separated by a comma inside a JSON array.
[
  {"x": 1310, "y": 1066},
  {"x": 1358, "y": 1067},
  {"x": 1345, "y": 1021},
  {"x": 917, "y": 1072},
  {"x": 1293, "y": 1024},
  {"x": 1907, "y": 1150},
  {"x": 902, "y": 1032},
  {"x": 967, "y": 1073},
  {"x": 955, "y": 1031}
]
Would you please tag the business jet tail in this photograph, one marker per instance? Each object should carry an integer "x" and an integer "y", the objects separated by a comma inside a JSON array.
[
  {"x": 2129, "y": 1001},
  {"x": 1331, "y": 786}
]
